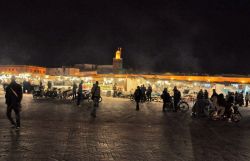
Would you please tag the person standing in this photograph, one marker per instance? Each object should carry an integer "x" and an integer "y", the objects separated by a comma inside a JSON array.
[
  {"x": 96, "y": 94},
  {"x": 13, "y": 98},
  {"x": 137, "y": 97},
  {"x": 149, "y": 92},
  {"x": 200, "y": 95},
  {"x": 74, "y": 90},
  {"x": 247, "y": 97},
  {"x": 206, "y": 94},
  {"x": 143, "y": 92},
  {"x": 177, "y": 98},
  {"x": 166, "y": 99},
  {"x": 115, "y": 90},
  {"x": 49, "y": 85},
  {"x": 79, "y": 93}
]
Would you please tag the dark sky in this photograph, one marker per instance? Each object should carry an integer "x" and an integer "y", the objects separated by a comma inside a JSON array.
[{"x": 204, "y": 36}]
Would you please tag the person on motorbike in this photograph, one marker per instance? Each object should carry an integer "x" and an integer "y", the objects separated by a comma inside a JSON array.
[
  {"x": 221, "y": 105},
  {"x": 165, "y": 96},
  {"x": 214, "y": 98},
  {"x": 177, "y": 98},
  {"x": 119, "y": 92},
  {"x": 229, "y": 103}
]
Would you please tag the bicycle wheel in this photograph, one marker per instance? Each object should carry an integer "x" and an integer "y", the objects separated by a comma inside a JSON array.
[
  {"x": 236, "y": 117},
  {"x": 183, "y": 106}
]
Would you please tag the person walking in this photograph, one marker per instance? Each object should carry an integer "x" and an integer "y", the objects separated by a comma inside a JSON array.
[
  {"x": 13, "y": 98},
  {"x": 166, "y": 99},
  {"x": 74, "y": 90},
  {"x": 177, "y": 98},
  {"x": 96, "y": 94},
  {"x": 137, "y": 97},
  {"x": 79, "y": 93},
  {"x": 247, "y": 97},
  {"x": 148, "y": 93}
]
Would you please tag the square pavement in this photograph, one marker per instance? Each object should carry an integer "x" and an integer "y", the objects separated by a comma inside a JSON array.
[{"x": 54, "y": 130}]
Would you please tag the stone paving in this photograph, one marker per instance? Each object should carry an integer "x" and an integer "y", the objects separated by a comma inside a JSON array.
[{"x": 60, "y": 131}]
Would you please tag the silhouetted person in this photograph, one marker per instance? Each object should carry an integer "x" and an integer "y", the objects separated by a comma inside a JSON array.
[
  {"x": 96, "y": 94},
  {"x": 236, "y": 98},
  {"x": 166, "y": 99},
  {"x": 115, "y": 90},
  {"x": 221, "y": 102},
  {"x": 143, "y": 92},
  {"x": 49, "y": 85},
  {"x": 200, "y": 95},
  {"x": 13, "y": 98},
  {"x": 149, "y": 93},
  {"x": 74, "y": 90},
  {"x": 137, "y": 96},
  {"x": 79, "y": 93},
  {"x": 247, "y": 97},
  {"x": 241, "y": 99},
  {"x": 206, "y": 94},
  {"x": 177, "y": 98},
  {"x": 214, "y": 94}
]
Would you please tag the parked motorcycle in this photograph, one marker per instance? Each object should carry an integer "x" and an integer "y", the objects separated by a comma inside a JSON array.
[{"x": 51, "y": 93}]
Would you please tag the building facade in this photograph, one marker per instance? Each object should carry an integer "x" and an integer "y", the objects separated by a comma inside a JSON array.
[
  {"x": 63, "y": 71},
  {"x": 17, "y": 69}
]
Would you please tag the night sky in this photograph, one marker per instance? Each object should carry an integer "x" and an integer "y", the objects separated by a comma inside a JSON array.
[{"x": 198, "y": 36}]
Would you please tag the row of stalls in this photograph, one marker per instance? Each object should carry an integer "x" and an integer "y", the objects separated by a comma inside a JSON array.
[{"x": 127, "y": 84}]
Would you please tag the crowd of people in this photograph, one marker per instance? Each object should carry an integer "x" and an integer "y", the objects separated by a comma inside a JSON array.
[
  {"x": 220, "y": 103},
  {"x": 142, "y": 94},
  {"x": 14, "y": 94}
]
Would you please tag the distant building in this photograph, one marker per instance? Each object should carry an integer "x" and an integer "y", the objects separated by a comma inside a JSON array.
[
  {"x": 117, "y": 62},
  {"x": 105, "y": 69},
  {"x": 17, "y": 69},
  {"x": 86, "y": 67},
  {"x": 63, "y": 71}
]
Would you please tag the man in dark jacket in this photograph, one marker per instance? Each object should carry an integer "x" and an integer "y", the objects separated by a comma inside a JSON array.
[
  {"x": 96, "y": 94},
  {"x": 177, "y": 98},
  {"x": 143, "y": 92},
  {"x": 13, "y": 98},
  {"x": 137, "y": 96},
  {"x": 206, "y": 94},
  {"x": 149, "y": 92},
  {"x": 166, "y": 99},
  {"x": 200, "y": 95},
  {"x": 79, "y": 96}
]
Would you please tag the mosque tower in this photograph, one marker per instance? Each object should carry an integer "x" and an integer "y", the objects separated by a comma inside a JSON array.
[{"x": 117, "y": 61}]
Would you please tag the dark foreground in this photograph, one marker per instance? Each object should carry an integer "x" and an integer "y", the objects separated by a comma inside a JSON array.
[{"x": 56, "y": 131}]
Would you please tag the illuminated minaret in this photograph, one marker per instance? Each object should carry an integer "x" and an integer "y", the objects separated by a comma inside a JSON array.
[{"x": 117, "y": 61}]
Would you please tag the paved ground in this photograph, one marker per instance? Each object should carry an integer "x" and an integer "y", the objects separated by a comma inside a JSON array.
[{"x": 52, "y": 130}]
